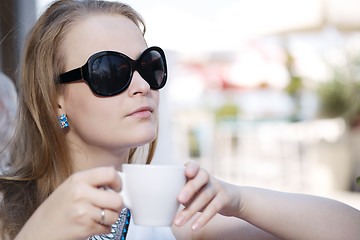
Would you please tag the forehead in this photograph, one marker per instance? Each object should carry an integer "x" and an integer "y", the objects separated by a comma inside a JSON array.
[{"x": 96, "y": 33}]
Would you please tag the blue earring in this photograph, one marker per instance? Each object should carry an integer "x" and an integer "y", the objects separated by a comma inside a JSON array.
[{"x": 63, "y": 121}]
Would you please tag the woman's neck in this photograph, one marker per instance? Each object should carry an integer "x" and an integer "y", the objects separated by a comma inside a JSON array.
[{"x": 93, "y": 157}]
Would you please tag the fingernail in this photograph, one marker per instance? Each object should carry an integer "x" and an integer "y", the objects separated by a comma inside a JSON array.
[
  {"x": 179, "y": 220},
  {"x": 195, "y": 226}
]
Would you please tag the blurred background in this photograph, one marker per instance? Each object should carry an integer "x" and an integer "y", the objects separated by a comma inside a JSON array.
[{"x": 260, "y": 92}]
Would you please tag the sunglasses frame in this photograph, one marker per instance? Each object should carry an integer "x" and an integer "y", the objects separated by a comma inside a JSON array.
[{"x": 83, "y": 73}]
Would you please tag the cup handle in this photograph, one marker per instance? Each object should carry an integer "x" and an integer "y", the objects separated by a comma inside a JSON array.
[{"x": 123, "y": 192}]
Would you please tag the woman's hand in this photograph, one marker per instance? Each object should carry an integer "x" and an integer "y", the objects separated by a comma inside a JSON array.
[
  {"x": 206, "y": 194},
  {"x": 74, "y": 209}
]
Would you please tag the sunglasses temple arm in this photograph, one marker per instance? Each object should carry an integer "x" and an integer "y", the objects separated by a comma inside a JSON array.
[{"x": 73, "y": 75}]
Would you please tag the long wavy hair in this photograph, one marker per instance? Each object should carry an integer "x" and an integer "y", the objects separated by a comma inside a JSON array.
[{"x": 40, "y": 158}]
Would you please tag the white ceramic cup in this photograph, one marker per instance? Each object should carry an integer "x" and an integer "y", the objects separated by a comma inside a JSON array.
[{"x": 150, "y": 192}]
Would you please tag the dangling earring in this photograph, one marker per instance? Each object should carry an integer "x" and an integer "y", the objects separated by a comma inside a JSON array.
[{"x": 63, "y": 121}]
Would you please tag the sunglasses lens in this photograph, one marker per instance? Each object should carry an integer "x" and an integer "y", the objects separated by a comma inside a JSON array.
[
  {"x": 110, "y": 74},
  {"x": 153, "y": 69}
]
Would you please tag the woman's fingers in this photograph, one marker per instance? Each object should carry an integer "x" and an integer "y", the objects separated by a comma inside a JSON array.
[
  {"x": 93, "y": 201},
  {"x": 192, "y": 169},
  {"x": 103, "y": 198},
  {"x": 85, "y": 218},
  {"x": 204, "y": 194},
  {"x": 102, "y": 176},
  {"x": 83, "y": 187},
  {"x": 196, "y": 194},
  {"x": 193, "y": 186},
  {"x": 209, "y": 212},
  {"x": 77, "y": 205},
  {"x": 197, "y": 203},
  {"x": 104, "y": 216}
]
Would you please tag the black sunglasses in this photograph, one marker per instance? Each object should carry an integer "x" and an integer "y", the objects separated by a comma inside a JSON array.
[{"x": 109, "y": 73}]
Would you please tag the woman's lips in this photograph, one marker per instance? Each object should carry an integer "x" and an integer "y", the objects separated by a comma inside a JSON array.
[{"x": 142, "y": 112}]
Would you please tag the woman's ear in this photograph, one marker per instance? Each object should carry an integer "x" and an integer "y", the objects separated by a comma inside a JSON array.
[{"x": 60, "y": 104}]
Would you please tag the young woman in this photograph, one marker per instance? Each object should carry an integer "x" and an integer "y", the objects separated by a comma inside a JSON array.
[{"x": 89, "y": 103}]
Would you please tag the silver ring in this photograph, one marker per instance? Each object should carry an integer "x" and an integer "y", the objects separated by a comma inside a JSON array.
[{"x": 102, "y": 219}]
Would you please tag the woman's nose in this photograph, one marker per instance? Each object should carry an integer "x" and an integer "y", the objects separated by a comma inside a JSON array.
[{"x": 138, "y": 85}]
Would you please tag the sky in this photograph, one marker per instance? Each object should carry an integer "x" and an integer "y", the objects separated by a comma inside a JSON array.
[
  {"x": 213, "y": 25},
  {"x": 195, "y": 27},
  {"x": 177, "y": 25},
  {"x": 190, "y": 26}
]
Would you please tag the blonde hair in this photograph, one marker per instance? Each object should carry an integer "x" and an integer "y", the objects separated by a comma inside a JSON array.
[{"x": 40, "y": 158}]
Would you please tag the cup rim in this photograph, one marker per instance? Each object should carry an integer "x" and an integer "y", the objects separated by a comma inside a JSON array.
[{"x": 169, "y": 166}]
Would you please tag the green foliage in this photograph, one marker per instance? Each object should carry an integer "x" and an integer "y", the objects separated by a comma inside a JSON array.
[
  {"x": 228, "y": 111},
  {"x": 340, "y": 97},
  {"x": 334, "y": 98},
  {"x": 358, "y": 181},
  {"x": 294, "y": 85},
  {"x": 194, "y": 145}
]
